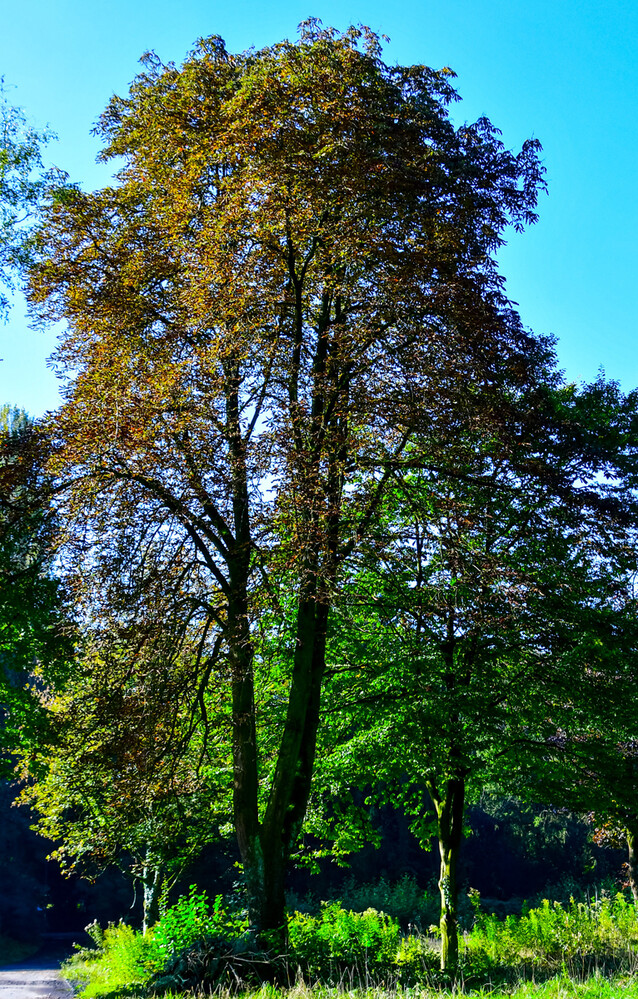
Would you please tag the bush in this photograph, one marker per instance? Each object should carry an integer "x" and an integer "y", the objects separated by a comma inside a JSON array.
[
  {"x": 117, "y": 962},
  {"x": 180, "y": 950},
  {"x": 188, "y": 922},
  {"x": 195, "y": 943},
  {"x": 362, "y": 945}
]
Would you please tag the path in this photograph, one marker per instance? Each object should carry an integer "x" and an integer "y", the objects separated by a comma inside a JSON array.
[{"x": 37, "y": 978}]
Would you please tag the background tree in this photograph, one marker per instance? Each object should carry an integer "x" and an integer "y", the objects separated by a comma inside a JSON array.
[
  {"x": 596, "y": 771},
  {"x": 23, "y": 181},
  {"x": 108, "y": 792},
  {"x": 35, "y": 628},
  {"x": 295, "y": 271}
]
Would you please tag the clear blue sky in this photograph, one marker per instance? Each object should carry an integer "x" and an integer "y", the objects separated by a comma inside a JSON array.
[{"x": 564, "y": 71}]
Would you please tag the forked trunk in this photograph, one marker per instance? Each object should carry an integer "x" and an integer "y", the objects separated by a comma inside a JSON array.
[{"x": 266, "y": 846}]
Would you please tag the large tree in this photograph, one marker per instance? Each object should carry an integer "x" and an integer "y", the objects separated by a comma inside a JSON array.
[{"x": 294, "y": 272}]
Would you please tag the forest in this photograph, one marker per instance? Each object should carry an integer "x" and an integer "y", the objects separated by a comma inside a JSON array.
[{"x": 318, "y": 633}]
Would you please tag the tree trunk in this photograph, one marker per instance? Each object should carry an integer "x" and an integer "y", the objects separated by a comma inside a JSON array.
[
  {"x": 151, "y": 885},
  {"x": 631, "y": 832},
  {"x": 450, "y": 808},
  {"x": 273, "y": 923},
  {"x": 266, "y": 846},
  {"x": 245, "y": 768},
  {"x": 286, "y": 809}
]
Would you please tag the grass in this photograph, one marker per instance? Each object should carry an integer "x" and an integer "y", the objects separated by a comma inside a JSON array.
[{"x": 557, "y": 987}]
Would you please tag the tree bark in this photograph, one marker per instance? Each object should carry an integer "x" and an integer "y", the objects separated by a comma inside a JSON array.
[
  {"x": 151, "y": 884},
  {"x": 631, "y": 832},
  {"x": 450, "y": 807},
  {"x": 245, "y": 763},
  {"x": 288, "y": 800}
]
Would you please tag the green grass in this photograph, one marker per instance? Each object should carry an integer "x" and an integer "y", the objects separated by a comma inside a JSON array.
[{"x": 558, "y": 987}]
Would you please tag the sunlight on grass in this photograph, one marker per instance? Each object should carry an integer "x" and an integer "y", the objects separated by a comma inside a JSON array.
[{"x": 559, "y": 987}]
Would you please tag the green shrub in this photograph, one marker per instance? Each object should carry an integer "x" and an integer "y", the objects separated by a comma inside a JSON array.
[
  {"x": 363, "y": 945},
  {"x": 191, "y": 920},
  {"x": 118, "y": 963},
  {"x": 181, "y": 947},
  {"x": 194, "y": 943}
]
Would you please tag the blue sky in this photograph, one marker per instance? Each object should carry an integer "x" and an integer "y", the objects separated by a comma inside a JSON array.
[{"x": 563, "y": 71}]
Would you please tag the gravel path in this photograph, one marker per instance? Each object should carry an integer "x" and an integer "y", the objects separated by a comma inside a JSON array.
[{"x": 37, "y": 978}]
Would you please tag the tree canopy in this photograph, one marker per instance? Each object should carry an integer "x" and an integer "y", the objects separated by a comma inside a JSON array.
[
  {"x": 292, "y": 370},
  {"x": 486, "y": 614},
  {"x": 35, "y": 627},
  {"x": 23, "y": 181}
]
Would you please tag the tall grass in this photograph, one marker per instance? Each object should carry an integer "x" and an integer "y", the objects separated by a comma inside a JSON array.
[
  {"x": 557, "y": 987},
  {"x": 582, "y": 936}
]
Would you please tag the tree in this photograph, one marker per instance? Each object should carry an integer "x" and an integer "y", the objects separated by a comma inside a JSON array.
[
  {"x": 35, "y": 628},
  {"x": 123, "y": 779},
  {"x": 294, "y": 273},
  {"x": 23, "y": 180},
  {"x": 596, "y": 771},
  {"x": 490, "y": 612}
]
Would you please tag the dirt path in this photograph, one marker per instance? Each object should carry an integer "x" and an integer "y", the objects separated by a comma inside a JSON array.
[{"x": 37, "y": 978}]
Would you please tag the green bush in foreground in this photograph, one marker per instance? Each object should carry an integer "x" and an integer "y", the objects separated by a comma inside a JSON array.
[
  {"x": 188, "y": 923},
  {"x": 125, "y": 959},
  {"x": 356, "y": 946},
  {"x": 199, "y": 945},
  {"x": 116, "y": 963}
]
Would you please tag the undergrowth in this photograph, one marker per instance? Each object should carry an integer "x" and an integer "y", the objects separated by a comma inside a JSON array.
[
  {"x": 584, "y": 937},
  {"x": 579, "y": 949}
]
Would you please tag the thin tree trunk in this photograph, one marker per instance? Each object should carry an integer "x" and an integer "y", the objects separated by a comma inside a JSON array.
[
  {"x": 449, "y": 808},
  {"x": 631, "y": 832},
  {"x": 245, "y": 768},
  {"x": 241, "y": 656},
  {"x": 151, "y": 884}
]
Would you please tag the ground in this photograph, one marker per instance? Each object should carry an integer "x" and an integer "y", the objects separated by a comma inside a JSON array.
[{"x": 38, "y": 977}]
